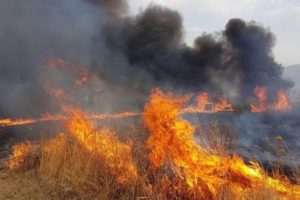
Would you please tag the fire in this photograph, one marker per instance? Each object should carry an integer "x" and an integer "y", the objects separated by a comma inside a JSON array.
[
  {"x": 205, "y": 105},
  {"x": 171, "y": 144},
  {"x": 204, "y": 102},
  {"x": 82, "y": 73},
  {"x": 180, "y": 166},
  {"x": 18, "y": 122},
  {"x": 19, "y": 153},
  {"x": 78, "y": 77},
  {"x": 84, "y": 76},
  {"x": 188, "y": 168},
  {"x": 49, "y": 117},
  {"x": 223, "y": 105},
  {"x": 115, "y": 116},
  {"x": 105, "y": 145},
  {"x": 283, "y": 103},
  {"x": 261, "y": 105}
]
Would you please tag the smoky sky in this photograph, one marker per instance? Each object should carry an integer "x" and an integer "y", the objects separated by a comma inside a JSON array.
[{"x": 130, "y": 53}]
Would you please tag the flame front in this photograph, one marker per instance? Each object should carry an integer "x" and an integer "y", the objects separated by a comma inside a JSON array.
[
  {"x": 19, "y": 153},
  {"x": 48, "y": 117},
  {"x": 180, "y": 166},
  {"x": 283, "y": 103},
  {"x": 171, "y": 144},
  {"x": 18, "y": 122},
  {"x": 104, "y": 144},
  {"x": 205, "y": 105},
  {"x": 261, "y": 103}
]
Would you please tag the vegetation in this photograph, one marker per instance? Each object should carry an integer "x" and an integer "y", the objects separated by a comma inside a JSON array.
[{"x": 86, "y": 162}]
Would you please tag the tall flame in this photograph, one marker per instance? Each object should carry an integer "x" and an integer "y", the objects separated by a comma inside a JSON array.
[
  {"x": 171, "y": 144},
  {"x": 261, "y": 105},
  {"x": 283, "y": 103},
  {"x": 105, "y": 145}
]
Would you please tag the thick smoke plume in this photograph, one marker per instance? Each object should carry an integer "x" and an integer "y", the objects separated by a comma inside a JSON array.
[{"x": 129, "y": 54}]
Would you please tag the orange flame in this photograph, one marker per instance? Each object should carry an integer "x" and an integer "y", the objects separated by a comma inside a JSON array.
[
  {"x": 18, "y": 122},
  {"x": 283, "y": 103},
  {"x": 171, "y": 144},
  {"x": 20, "y": 151},
  {"x": 80, "y": 75},
  {"x": 205, "y": 105},
  {"x": 48, "y": 117},
  {"x": 262, "y": 105},
  {"x": 115, "y": 116},
  {"x": 84, "y": 76},
  {"x": 105, "y": 145}
]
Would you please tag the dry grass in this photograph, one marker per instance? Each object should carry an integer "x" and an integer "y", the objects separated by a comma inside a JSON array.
[
  {"x": 27, "y": 186},
  {"x": 64, "y": 168},
  {"x": 69, "y": 164},
  {"x": 218, "y": 137}
]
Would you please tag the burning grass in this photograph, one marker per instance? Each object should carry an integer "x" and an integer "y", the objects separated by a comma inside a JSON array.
[
  {"x": 89, "y": 161},
  {"x": 25, "y": 156},
  {"x": 68, "y": 163},
  {"x": 203, "y": 172},
  {"x": 95, "y": 163},
  {"x": 262, "y": 105}
]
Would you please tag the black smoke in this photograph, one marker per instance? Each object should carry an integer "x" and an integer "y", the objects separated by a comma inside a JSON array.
[
  {"x": 129, "y": 54},
  {"x": 252, "y": 57},
  {"x": 232, "y": 63}
]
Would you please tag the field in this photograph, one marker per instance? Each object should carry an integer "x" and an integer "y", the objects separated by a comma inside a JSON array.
[{"x": 160, "y": 159}]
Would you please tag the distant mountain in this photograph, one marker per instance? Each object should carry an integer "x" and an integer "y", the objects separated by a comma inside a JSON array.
[{"x": 292, "y": 72}]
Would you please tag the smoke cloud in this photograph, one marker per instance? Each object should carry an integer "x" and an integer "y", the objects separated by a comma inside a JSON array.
[{"x": 129, "y": 54}]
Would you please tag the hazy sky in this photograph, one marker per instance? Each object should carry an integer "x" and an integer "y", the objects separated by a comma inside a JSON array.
[{"x": 281, "y": 16}]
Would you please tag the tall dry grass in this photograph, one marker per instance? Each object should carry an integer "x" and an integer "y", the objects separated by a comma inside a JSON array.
[{"x": 66, "y": 162}]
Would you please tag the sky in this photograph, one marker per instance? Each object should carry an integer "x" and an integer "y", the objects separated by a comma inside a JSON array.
[{"x": 282, "y": 17}]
